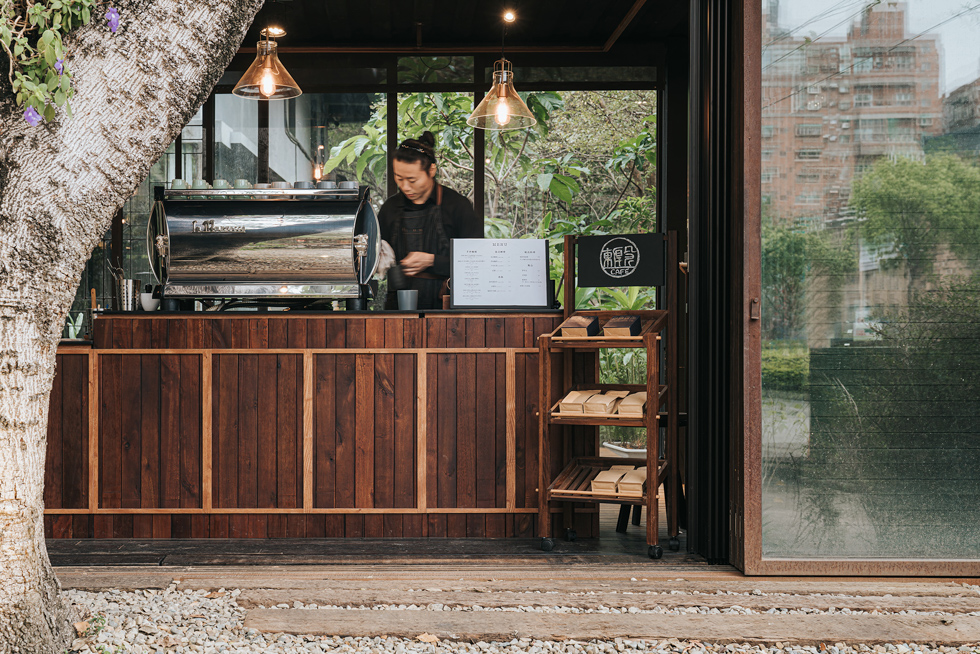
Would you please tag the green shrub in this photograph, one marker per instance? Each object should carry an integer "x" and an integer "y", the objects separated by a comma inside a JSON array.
[{"x": 785, "y": 369}]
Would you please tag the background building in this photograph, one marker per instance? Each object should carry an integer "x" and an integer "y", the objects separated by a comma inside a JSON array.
[{"x": 873, "y": 93}]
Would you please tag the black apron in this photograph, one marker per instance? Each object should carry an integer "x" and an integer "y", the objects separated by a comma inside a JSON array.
[{"x": 422, "y": 232}]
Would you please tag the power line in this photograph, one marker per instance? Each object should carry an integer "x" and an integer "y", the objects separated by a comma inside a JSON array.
[
  {"x": 808, "y": 40},
  {"x": 824, "y": 14}
]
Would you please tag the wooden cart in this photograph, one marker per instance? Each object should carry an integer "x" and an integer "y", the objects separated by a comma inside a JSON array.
[{"x": 658, "y": 335}]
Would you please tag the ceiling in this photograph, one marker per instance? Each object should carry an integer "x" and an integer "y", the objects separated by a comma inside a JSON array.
[{"x": 469, "y": 25}]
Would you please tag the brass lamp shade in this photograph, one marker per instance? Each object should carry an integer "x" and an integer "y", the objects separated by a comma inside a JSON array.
[
  {"x": 502, "y": 108},
  {"x": 267, "y": 78}
]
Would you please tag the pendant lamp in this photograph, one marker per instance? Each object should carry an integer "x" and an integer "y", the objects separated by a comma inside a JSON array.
[
  {"x": 267, "y": 78},
  {"x": 502, "y": 108}
]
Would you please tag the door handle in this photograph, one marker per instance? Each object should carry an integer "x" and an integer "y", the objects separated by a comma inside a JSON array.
[{"x": 755, "y": 309}]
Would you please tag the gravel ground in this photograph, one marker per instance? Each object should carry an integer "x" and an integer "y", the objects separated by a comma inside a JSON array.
[{"x": 175, "y": 620}]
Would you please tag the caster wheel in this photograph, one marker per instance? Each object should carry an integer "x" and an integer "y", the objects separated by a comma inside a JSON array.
[
  {"x": 674, "y": 544},
  {"x": 547, "y": 544},
  {"x": 570, "y": 535},
  {"x": 655, "y": 551}
]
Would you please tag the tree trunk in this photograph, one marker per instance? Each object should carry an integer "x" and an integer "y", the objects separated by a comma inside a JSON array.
[
  {"x": 60, "y": 185},
  {"x": 30, "y": 609}
]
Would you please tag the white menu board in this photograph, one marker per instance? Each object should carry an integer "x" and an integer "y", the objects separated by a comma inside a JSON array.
[{"x": 497, "y": 273}]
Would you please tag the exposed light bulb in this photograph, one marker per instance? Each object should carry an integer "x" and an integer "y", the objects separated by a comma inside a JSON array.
[
  {"x": 318, "y": 166},
  {"x": 502, "y": 113},
  {"x": 267, "y": 86},
  {"x": 509, "y": 16}
]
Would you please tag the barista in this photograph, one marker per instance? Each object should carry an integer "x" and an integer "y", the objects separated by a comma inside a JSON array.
[{"x": 419, "y": 221}]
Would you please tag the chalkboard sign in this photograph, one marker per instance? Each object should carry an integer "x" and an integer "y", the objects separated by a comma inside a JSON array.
[
  {"x": 499, "y": 273},
  {"x": 621, "y": 260}
]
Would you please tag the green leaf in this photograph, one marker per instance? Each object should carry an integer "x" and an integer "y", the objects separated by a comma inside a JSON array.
[
  {"x": 561, "y": 190},
  {"x": 361, "y": 163},
  {"x": 65, "y": 80},
  {"x": 59, "y": 97},
  {"x": 544, "y": 181},
  {"x": 68, "y": 109},
  {"x": 49, "y": 112},
  {"x": 86, "y": 16}
]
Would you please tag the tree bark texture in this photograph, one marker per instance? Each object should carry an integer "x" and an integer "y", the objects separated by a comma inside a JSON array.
[{"x": 60, "y": 185}]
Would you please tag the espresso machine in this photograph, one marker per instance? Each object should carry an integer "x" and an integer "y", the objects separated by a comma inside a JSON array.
[{"x": 297, "y": 248}]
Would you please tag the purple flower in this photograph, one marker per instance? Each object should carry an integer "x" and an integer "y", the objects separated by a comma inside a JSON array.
[
  {"x": 60, "y": 66},
  {"x": 113, "y": 17},
  {"x": 32, "y": 117}
]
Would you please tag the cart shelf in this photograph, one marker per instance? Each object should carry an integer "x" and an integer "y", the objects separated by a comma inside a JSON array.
[
  {"x": 658, "y": 328},
  {"x": 574, "y": 483},
  {"x": 650, "y": 322},
  {"x": 555, "y": 417}
]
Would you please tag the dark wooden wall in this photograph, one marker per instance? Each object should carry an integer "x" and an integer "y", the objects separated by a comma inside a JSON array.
[{"x": 297, "y": 426}]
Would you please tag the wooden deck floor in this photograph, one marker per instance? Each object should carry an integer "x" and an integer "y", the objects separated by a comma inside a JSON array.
[{"x": 610, "y": 548}]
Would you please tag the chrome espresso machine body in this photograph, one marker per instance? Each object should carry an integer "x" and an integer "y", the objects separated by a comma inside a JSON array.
[{"x": 270, "y": 246}]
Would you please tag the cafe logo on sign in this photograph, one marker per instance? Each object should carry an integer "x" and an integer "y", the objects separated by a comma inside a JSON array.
[{"x": 619, "y": 257}]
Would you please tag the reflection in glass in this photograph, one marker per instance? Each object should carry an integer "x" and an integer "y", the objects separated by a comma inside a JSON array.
[
  {"x": 236, "y": 138},
  {"x": 305, "y": 133},
  {"x": 871, "y": 293},
  {"x": 434, "y": 69}
]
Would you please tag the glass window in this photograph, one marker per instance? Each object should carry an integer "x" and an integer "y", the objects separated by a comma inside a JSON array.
[
  {"x": 603, "y": 74},
  {"x": 435, "y": 70},
  {"x": 871, "y": 291},
  {"x": 236, "y": 138},
  {"x": 443, "y": 114},
  {"x": 330, "y": 136}
]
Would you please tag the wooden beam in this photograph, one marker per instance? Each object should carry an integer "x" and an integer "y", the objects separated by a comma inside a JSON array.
[
  {"x": 623, "y": 24},
  {"x": 511, "y": 448},
  {"x": 93, "y": 431},
  {"x": 349, "y": 350},
  {"x": 206, "y": 451},
  {"x": 289, "y": 511},
  {"x": 421, "y": 410},
  {"x": 443, "y": 49},
  {"x": 307, "y": 430}
]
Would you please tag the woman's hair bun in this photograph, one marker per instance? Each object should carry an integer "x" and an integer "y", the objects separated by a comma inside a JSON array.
[{"x": 428, "y": 138}]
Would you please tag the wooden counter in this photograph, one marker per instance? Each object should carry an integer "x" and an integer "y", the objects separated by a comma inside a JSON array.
[{"x": 255, "y": 425}]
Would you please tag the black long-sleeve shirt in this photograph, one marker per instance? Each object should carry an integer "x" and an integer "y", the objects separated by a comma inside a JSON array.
[{"x": 458, "y": 221}]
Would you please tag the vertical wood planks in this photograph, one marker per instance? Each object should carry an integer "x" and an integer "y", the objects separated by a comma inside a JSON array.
[
  {"x": 225, "y": 430},
  {"x": 110, "y": 464},
  {"x": 308, "y": 429},
  {"x": 290, "y": 433},
  {"x": 444, "y": 399},
  {"x": 94, "y": 440},
  {"x": 404, "y": 465},
  {"x": 276, "y": 431},
  {"x": 345, "y": 425},
  {"x": 254, "y": 474},
  {"x": 364, "y": 431},
  {"x": 466, "y": 429},
  {"x": 170, "y": 433},
  {"x": 324, "y": 435},
  {"x": 75, "y": 431},
  {"x": 196, "y": 417},
  {"x": 384, "y": 423},
  {"x": 129, "y": 434},
  {"x": 485, "y": 436},
  {"x": 267, "y": 400},
  {"x": 149, "y": 434}
]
